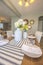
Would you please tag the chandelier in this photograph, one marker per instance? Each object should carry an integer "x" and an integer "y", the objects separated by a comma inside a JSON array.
[{"x": 26, "y": 3}]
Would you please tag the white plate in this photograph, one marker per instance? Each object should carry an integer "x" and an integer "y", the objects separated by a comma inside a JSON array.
[
  {"x": 31, "y": 37},
  {"x": 3, "y": 42}
]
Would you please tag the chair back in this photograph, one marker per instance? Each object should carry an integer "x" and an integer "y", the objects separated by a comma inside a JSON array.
[
  {"x": 38, "y": 36},
  {"x": 9, "y": 33}
]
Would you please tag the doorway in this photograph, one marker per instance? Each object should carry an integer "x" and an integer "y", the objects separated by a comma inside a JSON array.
[{"x": 40, "y": 24}]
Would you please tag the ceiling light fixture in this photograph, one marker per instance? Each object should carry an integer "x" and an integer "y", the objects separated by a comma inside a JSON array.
[
  {"x": 20, "y": 3},
  {"x": 31, "y": 1},
  {"x": 26, "y": 3}
]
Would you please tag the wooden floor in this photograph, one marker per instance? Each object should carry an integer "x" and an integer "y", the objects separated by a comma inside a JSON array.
[{"x": 30, "y": 61}]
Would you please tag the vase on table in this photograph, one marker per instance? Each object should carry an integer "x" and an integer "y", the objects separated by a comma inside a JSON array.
[
  {"x": 18, "y": 35},
  {"x": 25, "y": 34}
]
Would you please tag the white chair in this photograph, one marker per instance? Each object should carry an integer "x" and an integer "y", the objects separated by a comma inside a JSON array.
[
  {"x": 32, "y": 39},
  {"x": 38, "y": 36},
  {"x": 9, "y": 34}
]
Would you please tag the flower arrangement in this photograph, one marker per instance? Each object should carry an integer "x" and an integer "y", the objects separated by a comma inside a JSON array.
[{"x": 22, "y": 24}]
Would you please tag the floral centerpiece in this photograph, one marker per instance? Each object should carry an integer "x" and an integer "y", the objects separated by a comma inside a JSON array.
[{"x": 21, "y": 26}]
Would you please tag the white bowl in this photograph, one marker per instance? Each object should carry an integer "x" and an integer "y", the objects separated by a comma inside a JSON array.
[{"x": 32, "y": 51}]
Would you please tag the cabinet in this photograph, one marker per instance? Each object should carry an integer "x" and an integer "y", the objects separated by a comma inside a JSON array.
[{"x": 5, "y": 26}]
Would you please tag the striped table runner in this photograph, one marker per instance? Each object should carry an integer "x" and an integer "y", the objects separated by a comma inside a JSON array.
[{"x": 10, "y": 55}]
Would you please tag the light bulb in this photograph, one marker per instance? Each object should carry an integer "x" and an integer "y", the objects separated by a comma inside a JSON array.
[
  {"x": 31, "y": 1},
  {"x": 20, "y": 3},
  {"x": 26, "y": 4}
]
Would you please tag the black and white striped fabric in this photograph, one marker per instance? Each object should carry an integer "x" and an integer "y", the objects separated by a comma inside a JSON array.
[
  {"x": 10, "y": 55},
  {"x": 19, "y": 44}
]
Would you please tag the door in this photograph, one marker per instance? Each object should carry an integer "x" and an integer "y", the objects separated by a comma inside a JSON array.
[{"x": 40, "y": 24}]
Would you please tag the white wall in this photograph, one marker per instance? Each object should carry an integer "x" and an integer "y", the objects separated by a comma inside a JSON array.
[{"x": 13, "y": 20}]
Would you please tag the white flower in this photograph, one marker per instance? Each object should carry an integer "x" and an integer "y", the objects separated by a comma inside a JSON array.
[
  {"x": 20, "y": 21},
  {"x": 21, "y": 24},
  {"x": 16, "y": 24},
  {"x": 24, "y": 23}
]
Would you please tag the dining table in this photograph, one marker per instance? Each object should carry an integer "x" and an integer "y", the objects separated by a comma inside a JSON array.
[
  {"x": 33, "y": 61},
  {"x": 29, "y": 60}
]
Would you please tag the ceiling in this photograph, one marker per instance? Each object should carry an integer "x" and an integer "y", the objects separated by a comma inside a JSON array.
[
  {"x": 11, "y": 8},
  {"x": 6, "y": 10},
  {"x": 35, "y": 8}
]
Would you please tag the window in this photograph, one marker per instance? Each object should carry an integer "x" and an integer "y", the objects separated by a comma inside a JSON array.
[{"x": 1, "y": 25}]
